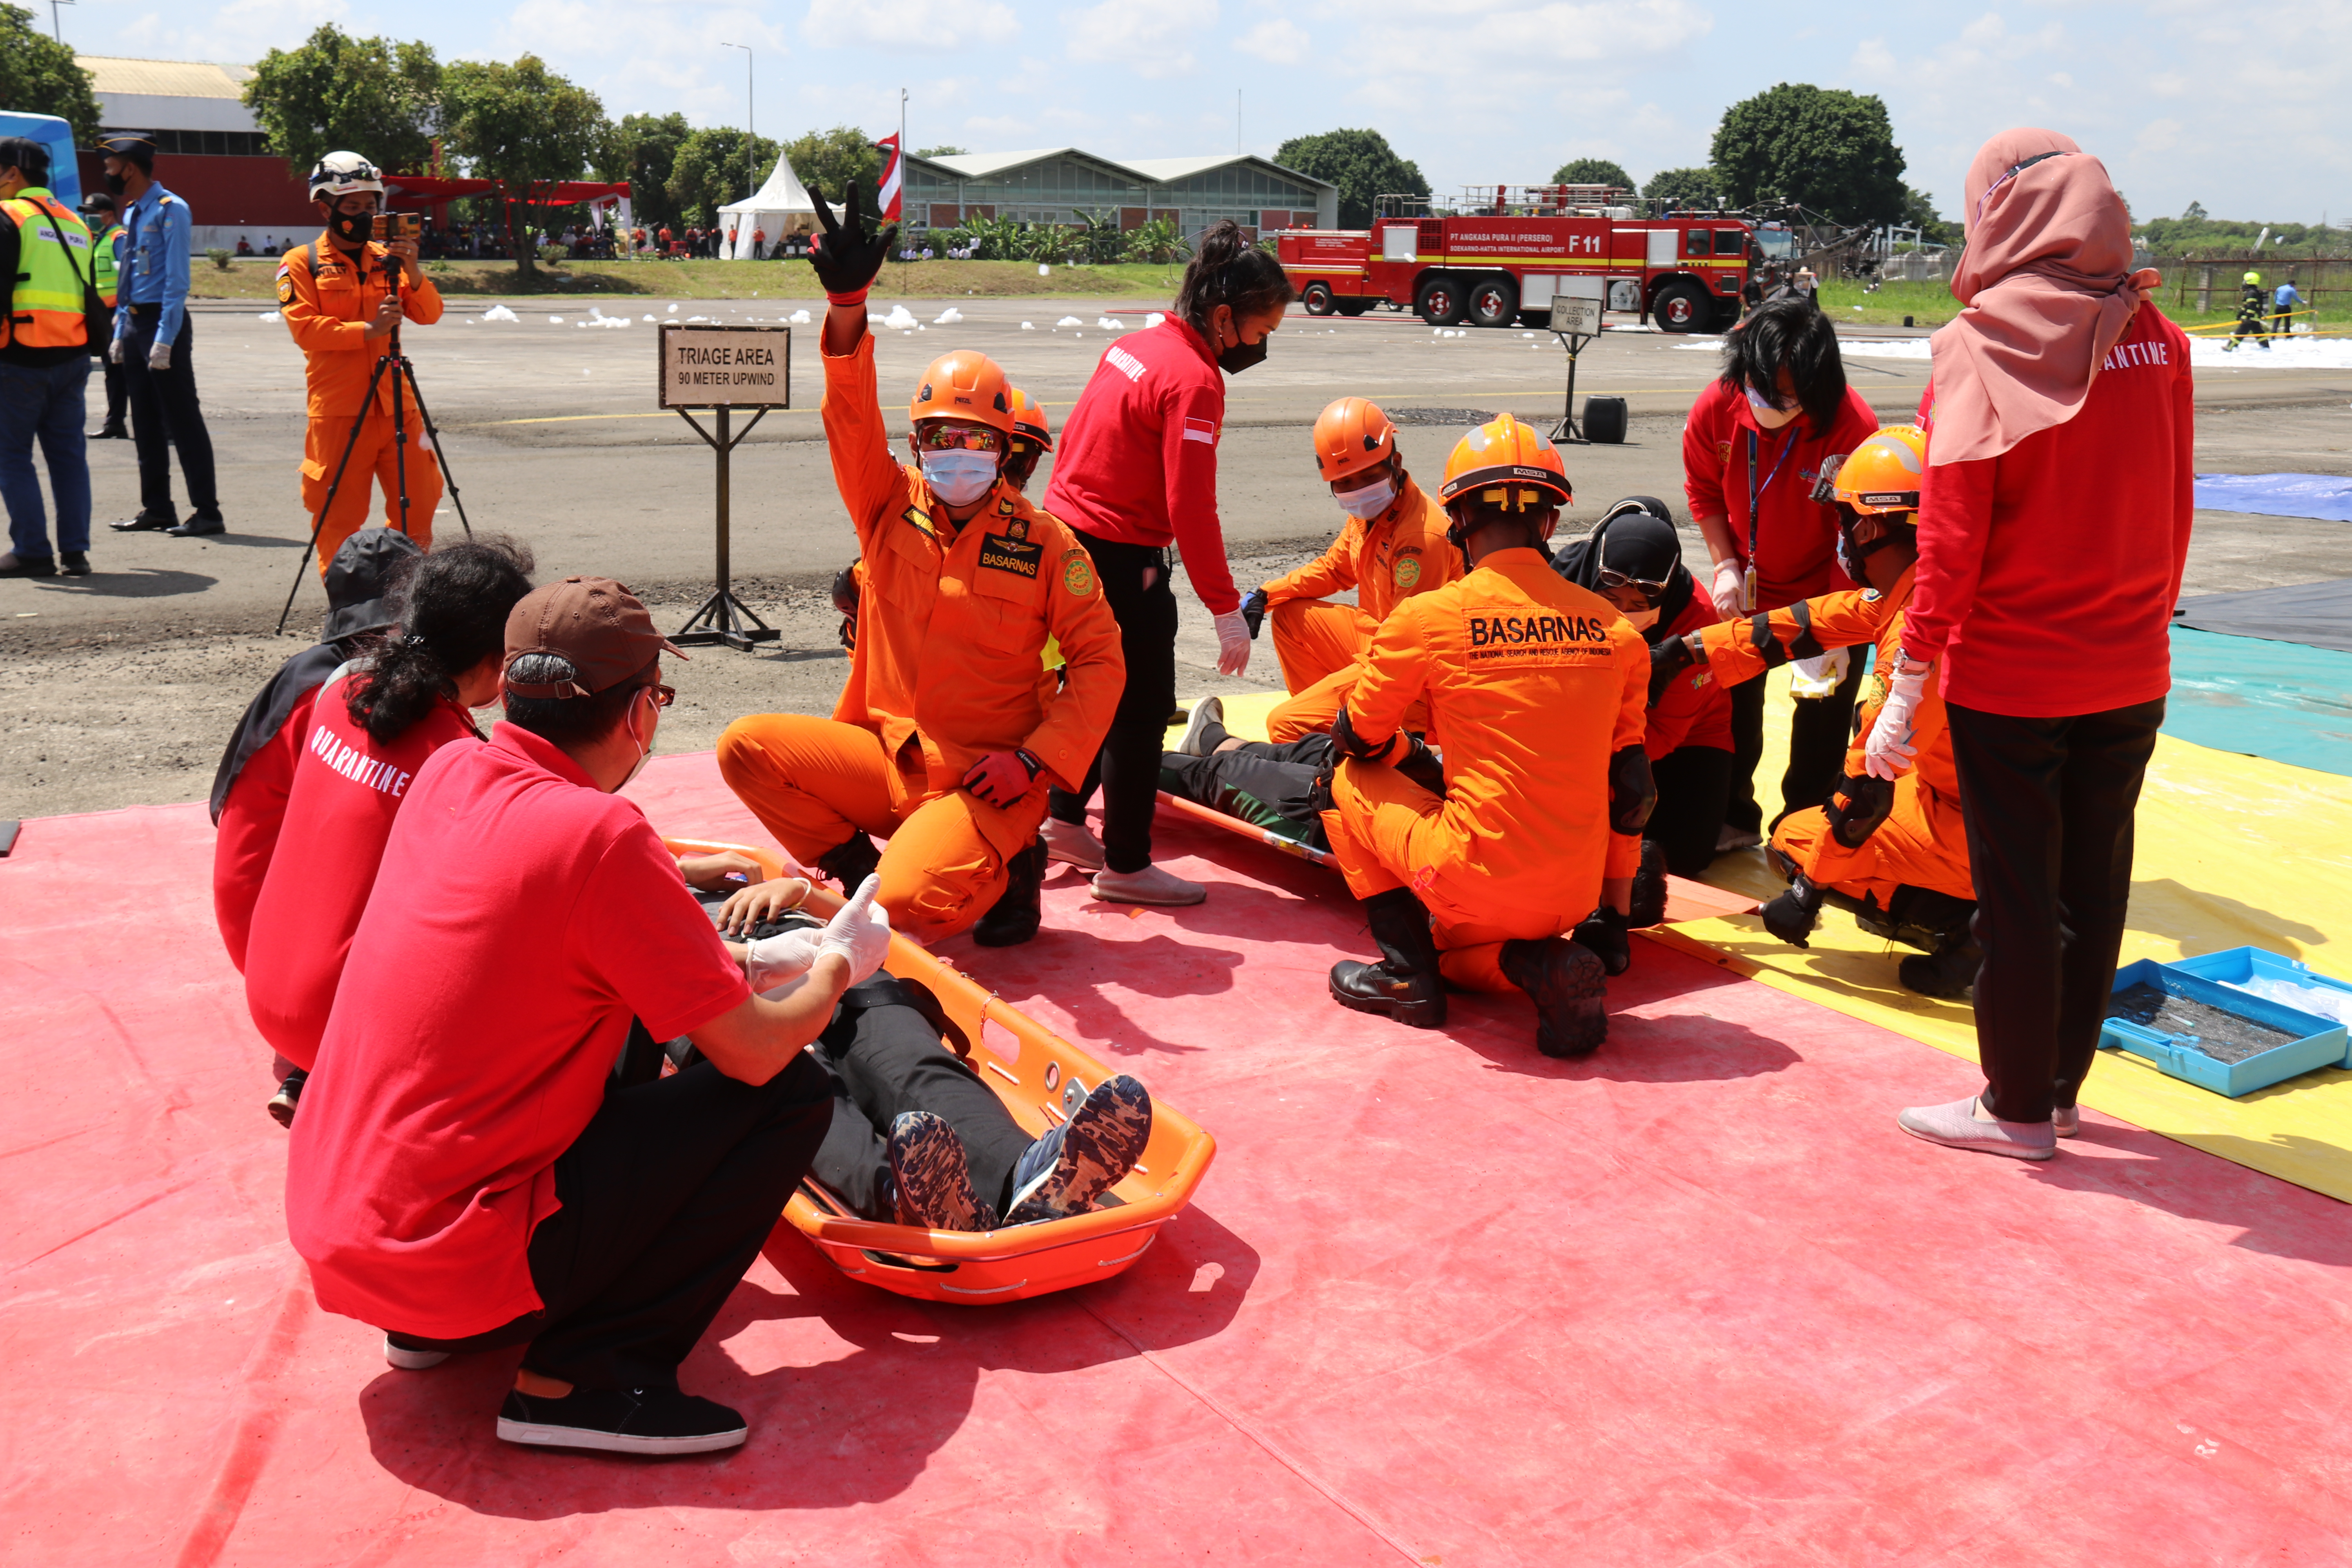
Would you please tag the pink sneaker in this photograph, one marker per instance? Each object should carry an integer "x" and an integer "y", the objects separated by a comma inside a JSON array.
[{"x": 1955, "y": 1126}]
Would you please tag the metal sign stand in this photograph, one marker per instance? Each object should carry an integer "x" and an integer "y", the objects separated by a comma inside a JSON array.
[
  {"x": 1575, "y": 321},
  {"x": 724, "y": 618},
  {"x": 723, "y": 369}
]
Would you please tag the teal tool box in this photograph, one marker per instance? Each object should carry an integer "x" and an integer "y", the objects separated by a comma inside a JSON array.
[
  {"x": 2237, "y": 965},
  {"x": 2311, "y": 1042}
]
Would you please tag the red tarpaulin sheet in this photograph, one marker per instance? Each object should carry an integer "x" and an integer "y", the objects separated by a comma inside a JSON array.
[{"x": 1440, "y": 1302}]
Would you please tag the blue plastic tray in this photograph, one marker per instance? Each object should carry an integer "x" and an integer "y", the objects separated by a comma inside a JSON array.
[
  {"x": 2320, "y": 1042},
  {"x": 2236, "y": 965}
]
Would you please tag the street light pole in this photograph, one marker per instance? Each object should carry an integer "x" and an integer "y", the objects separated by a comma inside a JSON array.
[{"x": 751, "y": 122}]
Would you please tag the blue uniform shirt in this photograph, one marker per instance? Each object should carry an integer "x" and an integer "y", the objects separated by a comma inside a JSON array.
[
  {"x": 2287, "y": 298},
  {"x": 155, "y": 231}
]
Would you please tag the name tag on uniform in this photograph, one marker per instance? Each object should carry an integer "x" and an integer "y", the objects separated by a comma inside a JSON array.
[
  {"x": 1017, "y": 556},
  {"x": 1531, "y": 639}
]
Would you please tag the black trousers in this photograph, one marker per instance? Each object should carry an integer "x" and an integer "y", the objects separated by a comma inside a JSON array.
[
  {"x": 166, "y": 416},
  {"x": 1128, "y": 766},
  {"x": 669, "y": 1194},
  {"x": 2049, "y": 805},
  {"x": 1819, "y": 732},
  {"x": 118, "y": 392},
  {"x": 887, "y": 1058},
  {"x": 1693, "y": 786},
  {"x": 1260, "y": 782}
]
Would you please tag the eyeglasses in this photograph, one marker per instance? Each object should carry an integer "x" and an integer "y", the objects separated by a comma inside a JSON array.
[
  {"x": 663, "y": 695},
  {"x": 960, "y": 438},
  {"x": 1651, "y": 590}
]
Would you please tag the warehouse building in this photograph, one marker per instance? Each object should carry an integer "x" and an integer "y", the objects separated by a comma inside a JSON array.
[
  {"x": 209, "y": 149},
  {"x": 1054, "y": 184}
]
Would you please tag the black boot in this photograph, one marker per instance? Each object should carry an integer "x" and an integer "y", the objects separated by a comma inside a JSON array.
[
  {"x": 1602, "y": 934},
  {"x": 1649, "y": 900},
  {"x": 1404, "y": 985},
  {"x": 1793, "y": 914},
  {"x": 1950, "y": 974},
  {"x": 851, "y": 861},
  {"x": 1921, "y": 918},
  {"x": 1565, "y": 980},
  {"x": 1013, "y": 918}
]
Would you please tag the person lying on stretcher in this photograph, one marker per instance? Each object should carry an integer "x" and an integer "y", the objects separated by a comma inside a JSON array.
[
  {"x": 917, "y": 1138},
  {"x": 1283, "y": 787},
  {"x": 1893, "y": 853}
]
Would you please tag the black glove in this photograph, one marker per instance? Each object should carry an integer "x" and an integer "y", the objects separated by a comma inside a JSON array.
[
  {"x": 1793, "y": 916},
  {"x": 1254, "y": 611},
  {"x": 848, "y": 255},
  {"x": 1602, "y": 934},
  {"x": 1668, "y": 659},
  {"x": 1423, "y": 767},
  {"x": 1857, "y": 806},
  {"x": 1649, "y": 898}
]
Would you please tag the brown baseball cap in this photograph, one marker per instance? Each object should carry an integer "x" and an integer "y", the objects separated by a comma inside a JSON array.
[{"x": 594, "y": 623}]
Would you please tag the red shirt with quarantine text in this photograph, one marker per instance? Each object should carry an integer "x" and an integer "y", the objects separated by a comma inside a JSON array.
[
  {"x": 346, "y": 790},
  {"x": 1137, "y": 461},
  {"x": 1796, "y": 536},
  {"x": 250, "y": 819},
  {"x": 2047, "y": 575},
  {"x": 521, "y": 918}
]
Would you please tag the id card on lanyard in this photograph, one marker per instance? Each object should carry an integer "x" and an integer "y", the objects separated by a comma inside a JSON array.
[{"x": 1755, "y": 497}]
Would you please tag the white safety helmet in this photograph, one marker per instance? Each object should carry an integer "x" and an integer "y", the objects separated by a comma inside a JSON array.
[{"x": 339, "y": 173}]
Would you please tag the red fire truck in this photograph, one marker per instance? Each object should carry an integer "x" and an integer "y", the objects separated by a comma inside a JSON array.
[{"x": 1500, "y": 257}]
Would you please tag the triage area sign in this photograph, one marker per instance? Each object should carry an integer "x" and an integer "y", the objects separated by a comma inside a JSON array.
[{"x": 725, "y": 367}]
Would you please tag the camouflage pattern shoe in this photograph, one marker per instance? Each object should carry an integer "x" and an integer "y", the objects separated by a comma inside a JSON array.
[
  {"x": 931, "y": 1181},
  {"x": 1066, "y": 1171}
]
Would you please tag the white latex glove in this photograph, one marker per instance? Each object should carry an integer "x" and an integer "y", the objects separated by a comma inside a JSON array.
[
  {"x": 1233, "y": 643},
  {"x": 1817, "y": 678},
  {"x": 159, "y": 356},
  {"x": 1890, "y": 751},
  {"x": 860, "y": 932},
  {"x": 773, "y": 960},
  {"x": 114, "y": 352},
  {"x": 1730, "y": 577}
]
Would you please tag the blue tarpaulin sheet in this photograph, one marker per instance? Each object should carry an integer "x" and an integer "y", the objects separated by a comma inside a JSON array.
[
  {"x": 2326, "y": 496},
  {"x": 2284, "y": 700}
]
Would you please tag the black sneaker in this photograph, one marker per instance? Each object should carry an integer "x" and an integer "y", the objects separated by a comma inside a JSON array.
[
  {"x": 622, "y": 1421},
  {"x": 931, "y": 1177},
  {"x": 1066, "y": 1170},
  {"x": 15, "y": 565},
  {"x": 197, "y": 526},
  {"x": 282, "y": 1104},
  {"x": 74, "y": 563},
  {"x": 1569, "y": 988},
  {"x": 146, "y": 523}
]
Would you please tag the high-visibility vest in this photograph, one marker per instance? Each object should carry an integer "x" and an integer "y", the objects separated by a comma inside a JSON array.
[
  {"x": 46, "y": 312},
  {"x": 102, "y": 257}
]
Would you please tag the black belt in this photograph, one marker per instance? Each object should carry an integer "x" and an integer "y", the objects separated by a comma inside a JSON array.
[{"x": 146, "y": 309}]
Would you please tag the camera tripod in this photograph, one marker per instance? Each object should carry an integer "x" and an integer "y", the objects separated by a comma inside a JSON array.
[{"x": 403, "y": 385}]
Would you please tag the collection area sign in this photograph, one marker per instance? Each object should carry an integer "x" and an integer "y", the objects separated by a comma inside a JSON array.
[{"x": 725, "y": 367}]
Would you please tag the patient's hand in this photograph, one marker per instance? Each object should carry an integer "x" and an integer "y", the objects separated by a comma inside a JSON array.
[
  {"x": 712, "y": 872},
  {"x": 752, "y": 906}
]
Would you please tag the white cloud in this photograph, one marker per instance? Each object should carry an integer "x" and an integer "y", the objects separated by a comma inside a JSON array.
[
  {"x": 1279, "y": 42},
  {"x": 910, "y": 24},
  {"x": 1152, "y": 42},
  {"x": 1497, "y": 47}
]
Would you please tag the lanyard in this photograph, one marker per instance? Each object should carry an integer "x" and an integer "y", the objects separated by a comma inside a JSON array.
[{"x": 1755, "y": 491}]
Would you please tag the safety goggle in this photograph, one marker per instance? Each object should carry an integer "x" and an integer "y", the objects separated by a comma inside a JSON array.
[
  {"x": 1651, "y": 590},
  {"x": 344, "y": 177},
  {"x": 2014, "y": 170},
  {"x": 958, "y": 439}
]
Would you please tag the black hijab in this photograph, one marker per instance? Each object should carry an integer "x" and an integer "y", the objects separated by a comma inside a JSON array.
[{"x": 1636, "y": 536}]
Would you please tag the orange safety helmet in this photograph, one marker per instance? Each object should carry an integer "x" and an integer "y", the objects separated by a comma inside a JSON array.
[
  {"x": 1882, "y": 474},
  {"x": 1351, "y": 435},
  {"x": 1029, "y": 420},
  {"x": 1506, "y": 463},
  {"x": 964, "y": 385}
]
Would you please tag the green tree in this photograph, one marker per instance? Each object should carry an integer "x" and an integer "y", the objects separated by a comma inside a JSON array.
[
  {"x": 1592, "y": 171},
  {"x": 1919, "y": 207},
  {"x": 715, "y": 166},
  {"x": 828, "y": 160},
  {"x": 939, "y": 151},
  {"x": 1831, "y": 151},
  {"x": 1361, "y": 163},
  {"x": 2195, "y": 213},
  {"x": 1697, "y": 190},
  {"x": 376, "y": 96},
  {"x": 642, "y": 150},
  {"x": 524, "y": 128},
  {"x": 37, "y": 76}
]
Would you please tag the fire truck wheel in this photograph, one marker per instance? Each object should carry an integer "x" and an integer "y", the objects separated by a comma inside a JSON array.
[
  {"x": 1682, "y": 307},
  {"x": 1318, "y": 300},
  {"x": 1494, "y": 302},
  {"x": 1439, "y": 301}
]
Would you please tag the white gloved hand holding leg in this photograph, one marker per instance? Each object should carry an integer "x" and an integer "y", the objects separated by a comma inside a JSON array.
[
  {"x": 1890, "y": 751},
  {"x": 860, "y": 932},
  {"x": 1233, "y": 643},
  {"x": 771, "y": 961},
  {"x": 1729, "y": 590}
]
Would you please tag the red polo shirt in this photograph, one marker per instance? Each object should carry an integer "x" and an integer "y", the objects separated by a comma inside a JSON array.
[
  {"x": 347, "y": 789},
  {"x": 1796, "y": 536},
  {"x": 1695, "y": 709},
  {"x": 520, "y": 918},
  {"x": 250, "y": 820}
]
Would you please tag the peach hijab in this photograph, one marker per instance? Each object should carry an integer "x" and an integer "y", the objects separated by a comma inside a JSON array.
[{"x": 2048, "y": 284}]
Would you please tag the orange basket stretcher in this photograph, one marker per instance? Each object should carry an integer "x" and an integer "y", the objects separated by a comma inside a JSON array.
[{"x": 1041, "y": 1077}]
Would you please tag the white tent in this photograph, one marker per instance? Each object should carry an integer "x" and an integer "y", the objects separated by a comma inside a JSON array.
[{"x": 781, "y": 208}]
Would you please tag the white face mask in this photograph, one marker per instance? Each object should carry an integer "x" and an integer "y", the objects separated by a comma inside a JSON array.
[
  {"x": 959, "y": 477},
  {"x": 1370, "y": 501},
  {"x": 644, "y": 753},
  {"x": 1643, "y": 620}
]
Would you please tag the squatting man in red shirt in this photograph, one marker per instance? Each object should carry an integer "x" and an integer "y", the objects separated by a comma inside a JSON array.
[{"x": 467, "y": 1171}]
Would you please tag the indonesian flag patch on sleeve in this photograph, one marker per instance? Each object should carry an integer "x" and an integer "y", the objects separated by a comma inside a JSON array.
[{"x": 1197, "y": 429}]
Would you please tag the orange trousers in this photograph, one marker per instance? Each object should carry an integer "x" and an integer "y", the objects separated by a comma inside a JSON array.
[
  {"x": 1318, "y": 645},
  {"x": 375, "y": 459},
  {"x": 814, "y": 782},
  {"x": 1922, "y": 844},
  {"x": 1387, "y": 832}
]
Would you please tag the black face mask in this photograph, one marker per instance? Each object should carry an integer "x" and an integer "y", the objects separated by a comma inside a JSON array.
[
  {"x": 116, "y": 184},
  {"x": 350, "y": 230},
  {"x": 1241, "y": 356}
]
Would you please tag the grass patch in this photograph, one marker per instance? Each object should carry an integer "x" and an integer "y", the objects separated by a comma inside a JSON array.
[
  {"x": 1928, "y": 304},
  {"x": 255, "y": 279}
]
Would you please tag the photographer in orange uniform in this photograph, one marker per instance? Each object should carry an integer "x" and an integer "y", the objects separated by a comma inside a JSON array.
[{"x": 341, "y": 303}]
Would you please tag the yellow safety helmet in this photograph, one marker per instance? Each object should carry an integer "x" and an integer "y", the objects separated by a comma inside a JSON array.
[
  {"x": 1882, "y": 474},
  {"x": 2253, "y": 277}
]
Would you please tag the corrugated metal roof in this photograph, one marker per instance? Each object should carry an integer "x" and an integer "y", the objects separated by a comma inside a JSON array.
[
  {"x": 163, "y": 78},
  {"x": 980, "y": 166},
  {"x": 1165, "y": 171}
]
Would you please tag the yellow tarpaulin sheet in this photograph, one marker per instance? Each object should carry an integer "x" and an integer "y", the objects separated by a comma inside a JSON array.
[{"x": 2232, "y": 852}]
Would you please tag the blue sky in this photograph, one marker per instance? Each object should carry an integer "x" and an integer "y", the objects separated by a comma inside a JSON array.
[{"x": 2184, "y": 102}]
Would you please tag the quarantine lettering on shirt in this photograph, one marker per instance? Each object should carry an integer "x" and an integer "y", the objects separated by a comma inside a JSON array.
[
  {"x": 1126, "y": 363},
  {"x": 2127, "y": 356},
  {"x": 1513, "y": 640},
  {"x": 356, "y": 765}
]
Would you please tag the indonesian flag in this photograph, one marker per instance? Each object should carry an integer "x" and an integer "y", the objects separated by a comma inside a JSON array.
[{"x": 890, "y": 179}]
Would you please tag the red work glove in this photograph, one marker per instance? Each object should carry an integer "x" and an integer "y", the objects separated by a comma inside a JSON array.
[{"x": 1001, "y": 778}]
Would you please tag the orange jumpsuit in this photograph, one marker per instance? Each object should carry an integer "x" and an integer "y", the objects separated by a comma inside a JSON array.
[
  {"x": 1533, "y": 684},
  {"x": 951, "y": 627},
  {"x": 328, "y": 305},
  {"x": 1387, "y": 560},
  {"x": 1922, "y": 842}
]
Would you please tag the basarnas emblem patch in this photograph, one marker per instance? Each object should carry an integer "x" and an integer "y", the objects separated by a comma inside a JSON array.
[
  {"x": 1408, "y": 571},
  {"x": 1077, "y": 573},
  {"x": 1014, "y": 556}
]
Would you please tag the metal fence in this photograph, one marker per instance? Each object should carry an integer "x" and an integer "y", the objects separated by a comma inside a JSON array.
[{"x": 2208, "y": 281}]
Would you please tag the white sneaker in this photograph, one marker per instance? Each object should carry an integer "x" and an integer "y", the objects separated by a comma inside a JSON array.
[
  {"x": 1150, "y": 885},
  {"x": 1728, "y": 838},
  {"x": 1072, "y": 844},
  {"x": 407, "y": 1360},
  {"x": 2066, "y": 1120},
  {"x": 1206, "y": 710}
]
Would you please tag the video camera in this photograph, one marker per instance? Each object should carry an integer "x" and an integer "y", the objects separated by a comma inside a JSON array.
[{"x": 392, "y": 228}]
